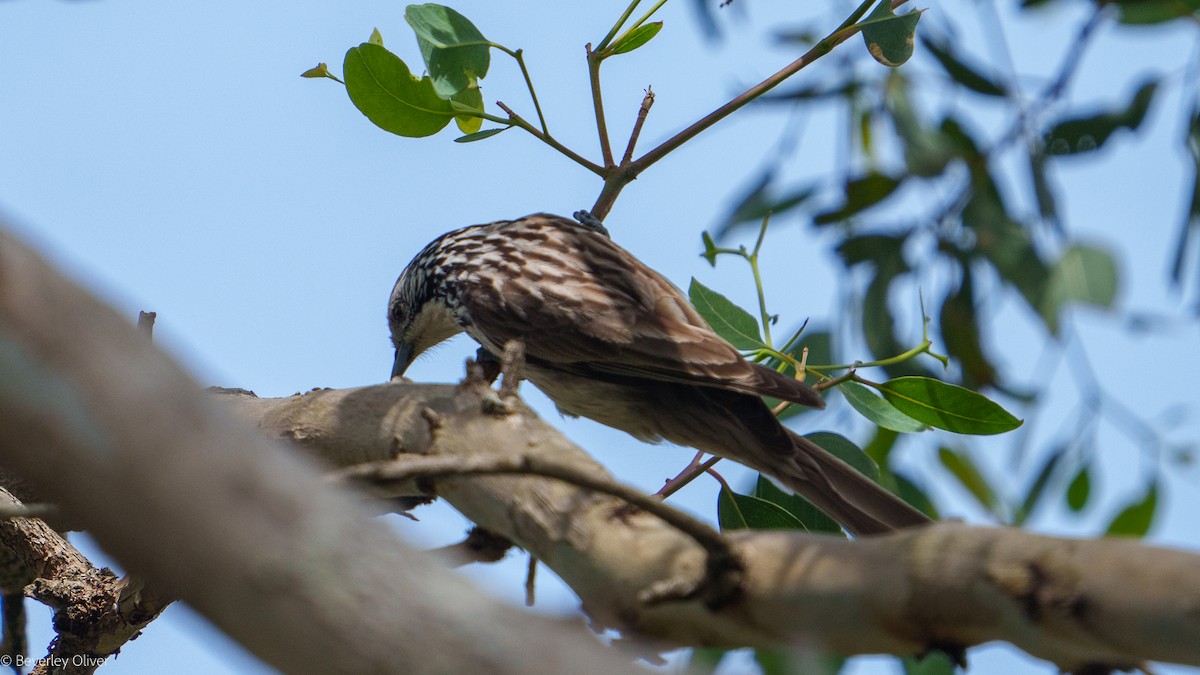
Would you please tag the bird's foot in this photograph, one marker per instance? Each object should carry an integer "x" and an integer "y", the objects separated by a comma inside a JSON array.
[{"x": 512, "y": 367}]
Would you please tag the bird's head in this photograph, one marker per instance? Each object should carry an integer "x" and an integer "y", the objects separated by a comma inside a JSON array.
[{"x": 419, "y": 312}]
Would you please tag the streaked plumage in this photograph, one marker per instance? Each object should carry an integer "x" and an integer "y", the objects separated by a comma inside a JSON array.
[{"x": 610, "y": 339}]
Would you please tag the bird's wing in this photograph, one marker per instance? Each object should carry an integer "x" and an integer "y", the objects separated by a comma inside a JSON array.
[{"x": 582, "y": 303}]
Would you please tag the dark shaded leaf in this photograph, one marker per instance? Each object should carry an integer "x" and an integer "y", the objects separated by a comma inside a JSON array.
[
  {"x": 1047, "y": 204},
  {"x": 1080, "y": 489},
  {"x": 926, "y": 151},
  {"x": 1136, "y": 518},
  {"x": 640, "y": 36},
  {"x": 759, "y": 200},
  {"x": 889, "y": 38},
  {"x": 948, "y": 406},
  {"x": 789, "y": 662},
  {"x": 861, "y": 193},
  {"x": 959, "y": 325},
  {"x": 1191, "y": 223},
  {"x": 1087, "y": 134},
  {"x": 480, "y": 135},
  {"x": 841, "y": 447},
  {"x": 1144, "y": 12},
  {"x": 1033, "y": 496},
  {"x": 966, "y": 75},
  {"x": 729, "y": 321},
  {"x": 913, "y": 494},
  {"x": 808, "y": 517},
  {"x": 935, "y": 662},
  {"x": 705, "y": 659},
  {"x": 455, "y": 52},
  {"x": 960, "y": 465},
  {"x": 381, "y": 86},
  {"x": 741, "y": 512}
]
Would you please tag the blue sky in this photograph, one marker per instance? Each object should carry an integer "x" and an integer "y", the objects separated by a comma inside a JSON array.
[{"x": 168, "y": 156}]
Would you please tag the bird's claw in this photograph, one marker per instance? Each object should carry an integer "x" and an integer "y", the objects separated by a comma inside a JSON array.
[{"x": 512, "y": 366}]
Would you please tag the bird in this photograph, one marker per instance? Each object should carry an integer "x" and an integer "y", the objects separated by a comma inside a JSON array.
[{"x": 608, "y": 338}]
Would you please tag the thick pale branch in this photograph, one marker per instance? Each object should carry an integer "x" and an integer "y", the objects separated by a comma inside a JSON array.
[
  {"x": 215, "y": 513},
  {"x": 1074, "y": 602}
]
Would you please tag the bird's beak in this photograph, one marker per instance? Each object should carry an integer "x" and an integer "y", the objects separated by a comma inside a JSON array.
[{"x": 404, "y": 357}]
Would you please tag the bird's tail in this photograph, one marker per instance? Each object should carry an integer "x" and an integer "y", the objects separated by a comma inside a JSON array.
[{"x": 842, "y": 492}]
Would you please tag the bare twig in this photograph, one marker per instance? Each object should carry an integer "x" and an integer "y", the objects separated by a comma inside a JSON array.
[{"x": 647, "y": 101}]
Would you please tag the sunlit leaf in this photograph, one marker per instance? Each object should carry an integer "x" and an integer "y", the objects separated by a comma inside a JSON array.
[
  {"x": 472, "y": 99},
  {"x": 638, "y": 37},
  {"x": 320, "y": 70},
  {"x": 376, "y": 37},
  {"x": 947, "y": 406},
  {"x": 878, "y": 410},
  {"x": 1083, "y": 274},
  {"x": 381, "y": 86},
  {"x": 455, "y": 52},
  {"x": 729, "y": 321}
]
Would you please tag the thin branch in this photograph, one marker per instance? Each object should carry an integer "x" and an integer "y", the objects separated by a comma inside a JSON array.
[
  {"x": 724, "y": 567},
  {"x": 647, "y": 101},
  {"x": 517, "y": 120},
  {"x": 593, "y": 60}
]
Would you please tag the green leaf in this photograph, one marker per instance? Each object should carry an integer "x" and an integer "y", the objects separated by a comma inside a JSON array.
[
  {"x": 961, "y": 466},
  {"x": 376, "y": 37},
  {"x": 1191, "y": 222},
  {"x": 729, "y": 321},
  {"x": 761, "y": 199},
  {"x": 480, "y": 135},
  {"x": 745, "y": 512},
  {"x": 1080, "y": 489},
  {"x": 455, "y": 52},
  {"x": 1087, "y": 134},
  {"x": 788, "y": 662},
  {"x": 959, "y": 327},
  {"x": 962, "y": 73},
  {"x": 911, "y": 493},
  {"x": 947, "y": 406},
  {"x": 878, "y": 410},
  {"x": 820, "y": 350},
  {"x": 381, "y": 86},
  {"x": 1042, "y": 189},
  {"x": 889, "y": 37},
  {"x": 638, "y": 37},
  {"x": 470, "y": 98},
  {"x": 1083, "y": 274},
  {"x": 705, "y": 659},
  {"x": 1033, "y": 496},
  {"x": 1143, "y": 12},
  {"x": 1135, "y": 519},
  {"x": 320, "y": 70},
  {"x": 935, "y": 662},
  {"x": 808, "y": 517},
  {"x": 841, "y": 447},
  {"x": 861, "y": 193},
  {"x": 710, "y": 248}
]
